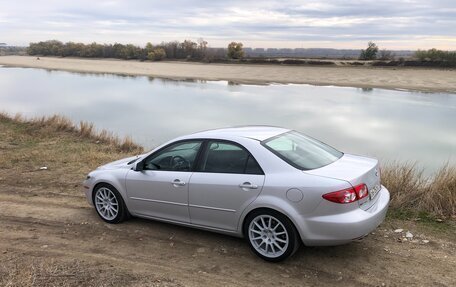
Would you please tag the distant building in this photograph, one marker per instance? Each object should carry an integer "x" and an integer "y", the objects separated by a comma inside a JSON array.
[{"x": 313, "y": 53}]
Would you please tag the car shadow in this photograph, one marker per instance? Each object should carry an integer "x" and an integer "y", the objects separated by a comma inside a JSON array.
[{"x": 235, "y": 246}]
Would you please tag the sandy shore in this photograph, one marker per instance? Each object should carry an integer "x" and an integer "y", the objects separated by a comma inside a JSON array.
[{"x": 417, "y": 79}]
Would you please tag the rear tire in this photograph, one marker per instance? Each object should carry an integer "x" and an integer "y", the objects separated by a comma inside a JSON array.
[
  {"x": 109, "y": 204},
  {"x": 271, "y": 235}
]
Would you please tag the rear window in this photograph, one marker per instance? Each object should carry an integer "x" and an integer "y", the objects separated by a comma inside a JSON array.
[{"x": 301, "y": 151}]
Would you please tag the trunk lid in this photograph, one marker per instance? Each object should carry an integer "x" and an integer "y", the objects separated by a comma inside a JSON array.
[{"x": 355, "y": 170}]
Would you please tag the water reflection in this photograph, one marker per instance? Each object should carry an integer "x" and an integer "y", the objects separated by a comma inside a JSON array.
[
  {"x": 88, "y": 74},
  {"x": 175, "y": 81},
  {"x": 382, "y": 123}
]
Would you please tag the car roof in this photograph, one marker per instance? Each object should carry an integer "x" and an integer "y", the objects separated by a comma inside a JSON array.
[{"x": 253, "y": 132}]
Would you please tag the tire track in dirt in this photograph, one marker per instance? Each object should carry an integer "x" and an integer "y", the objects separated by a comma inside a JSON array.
[{"x": 65, "y": 227}]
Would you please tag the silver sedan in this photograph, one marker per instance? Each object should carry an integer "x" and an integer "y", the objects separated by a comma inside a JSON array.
[{"x": 276, "y": 187}]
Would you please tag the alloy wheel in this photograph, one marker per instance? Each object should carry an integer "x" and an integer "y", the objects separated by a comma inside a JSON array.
[
  {"x": 106, "y": 203},
  {"x": 268, "y": 236}
]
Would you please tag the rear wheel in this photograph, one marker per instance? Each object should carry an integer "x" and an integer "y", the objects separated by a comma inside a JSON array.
[
  {"x": 109, "y": 204},
  {"x": 271, "y": 235}
]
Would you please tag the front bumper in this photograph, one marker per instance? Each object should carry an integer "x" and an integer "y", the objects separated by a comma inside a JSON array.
[
  {"x": 87, "y": 187},
  {"x": 341, "y": 228}
]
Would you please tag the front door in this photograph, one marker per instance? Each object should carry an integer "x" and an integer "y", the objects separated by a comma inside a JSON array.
[{"x": 161, "y": 189}]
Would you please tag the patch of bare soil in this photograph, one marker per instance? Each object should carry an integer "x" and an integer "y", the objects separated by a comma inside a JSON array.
[{"x": 56, "y": 240}]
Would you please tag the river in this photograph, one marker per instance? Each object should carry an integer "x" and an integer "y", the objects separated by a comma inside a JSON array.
[{"x": 387, "y": 124}]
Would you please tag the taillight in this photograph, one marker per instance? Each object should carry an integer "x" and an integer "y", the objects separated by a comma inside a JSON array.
[
  {"x": 361, "y": 191},
  {"x": 348, "y": 195}
]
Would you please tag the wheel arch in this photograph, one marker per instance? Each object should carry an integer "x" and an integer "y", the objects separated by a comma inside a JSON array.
[
  {"x": 123, "y": 212},
  {"x": 265, "y": 207},
  {"x": 112, "y": 181},
  {"x": 293, "y": 240}
]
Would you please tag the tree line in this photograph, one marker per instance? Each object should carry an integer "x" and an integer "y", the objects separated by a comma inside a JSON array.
[
  {"x": 199, "y": 51},
  {"x": 431, "y": 57},
  {"x": 187, "y": 49},
  {"x": 434, "y": 55},
  {"x": 11, "y": 50}
]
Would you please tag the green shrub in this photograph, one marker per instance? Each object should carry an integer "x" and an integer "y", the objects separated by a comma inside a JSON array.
[
  {"x": 156, "y": 54},
  {"x": 440, "y": 57},
  {"x": 370, "y": 53},
  {"x": 235, "y": 50}
]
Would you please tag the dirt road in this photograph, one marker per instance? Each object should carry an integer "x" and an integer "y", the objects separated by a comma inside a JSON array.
[
  {"x": 52, "y": 238},
  {"x": 49, "y": 236}
]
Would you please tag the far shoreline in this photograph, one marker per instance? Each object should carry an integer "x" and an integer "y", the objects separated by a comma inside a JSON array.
[{"x": 397, "y": 78}]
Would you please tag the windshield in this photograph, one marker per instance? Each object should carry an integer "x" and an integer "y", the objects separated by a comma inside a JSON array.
[{"x": 301, "y": 151}]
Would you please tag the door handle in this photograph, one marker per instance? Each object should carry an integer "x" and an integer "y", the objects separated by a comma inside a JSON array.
[
  {"x": 178, "y": 182},
  {"x": 248, "y": 185}
]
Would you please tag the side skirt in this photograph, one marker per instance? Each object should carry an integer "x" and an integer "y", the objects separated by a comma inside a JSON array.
[{"x": 196, "y": 226}]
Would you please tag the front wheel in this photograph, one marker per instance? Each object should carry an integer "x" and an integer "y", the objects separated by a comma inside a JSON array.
[
  {"x": 271, "y": 235},
  {"x": 109, "y": 204}
]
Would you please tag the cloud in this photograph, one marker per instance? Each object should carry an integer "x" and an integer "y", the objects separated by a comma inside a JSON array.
[{"x": 396, "y": 24}]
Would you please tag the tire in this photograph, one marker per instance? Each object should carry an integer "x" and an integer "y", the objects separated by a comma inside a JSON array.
[
  {"x": 109, "y": 204},
  {"x": 271, "y": 235}
]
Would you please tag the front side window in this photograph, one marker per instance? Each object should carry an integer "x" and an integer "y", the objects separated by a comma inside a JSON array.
[
  {"x": 177, "y": 157},
  {"x": 302, "y": 151},
  {"x": 225, "y": 157}
]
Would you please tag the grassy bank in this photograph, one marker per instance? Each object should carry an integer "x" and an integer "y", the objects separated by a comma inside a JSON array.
[
  {"x": 53, "y": 153},
  {"x": 83, "y": 130},
  {"x": 415, "y": 194},
  {"x": 69, "y": 151}
]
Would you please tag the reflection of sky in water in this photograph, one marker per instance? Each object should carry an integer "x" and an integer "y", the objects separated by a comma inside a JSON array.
[{"x": 383, "y": 123}]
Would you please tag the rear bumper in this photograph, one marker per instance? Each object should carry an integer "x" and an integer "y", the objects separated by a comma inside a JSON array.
[{"x": 343, "y": 228}]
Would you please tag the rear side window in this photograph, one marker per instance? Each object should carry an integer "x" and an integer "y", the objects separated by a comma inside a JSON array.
[
  {"x": 301, "y": 151},
  {"x": 225, "y": 157},
  {"x": 252, "y": 166}
]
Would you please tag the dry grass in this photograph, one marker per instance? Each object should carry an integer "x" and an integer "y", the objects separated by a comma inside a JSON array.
[
  {"x": 84, "y": 130},
  {"x": 68, "y": 151},
  {"x": 411, "y": 190},
  {"x": 49, "y": 271}
]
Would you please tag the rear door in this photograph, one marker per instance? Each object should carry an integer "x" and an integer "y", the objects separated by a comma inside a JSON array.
[{"x": 227, "y": 180}]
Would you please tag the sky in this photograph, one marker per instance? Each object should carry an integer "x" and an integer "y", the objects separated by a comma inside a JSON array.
[{"x": 410, "y": 24}]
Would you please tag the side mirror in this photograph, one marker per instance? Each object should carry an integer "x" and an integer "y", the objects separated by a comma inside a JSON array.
[{"x": 138, "y": 166}]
